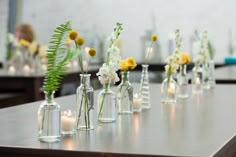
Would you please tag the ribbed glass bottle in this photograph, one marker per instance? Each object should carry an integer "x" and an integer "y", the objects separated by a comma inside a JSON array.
[
  {"x": 144, "y": 88},
  {"x": 182, "y": 80}
]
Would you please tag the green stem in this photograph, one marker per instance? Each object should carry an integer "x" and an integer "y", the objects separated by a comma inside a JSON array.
[
  {"x": 149, "y": 51},
  {"x": 103, "y": 99}
]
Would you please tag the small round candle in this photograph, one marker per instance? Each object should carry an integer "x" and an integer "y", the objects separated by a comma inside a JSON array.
[
  {"x": 68, "y": 122},
  {"x": 137, "y": 103}
]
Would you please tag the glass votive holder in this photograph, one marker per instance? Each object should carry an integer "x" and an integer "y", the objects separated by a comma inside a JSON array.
[
  {"x": 68, "y": 122},
  {"x": 137, "y": 103}
]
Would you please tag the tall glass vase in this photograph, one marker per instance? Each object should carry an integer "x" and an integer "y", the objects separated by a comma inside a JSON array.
[
  {"x": 169, "y": 91},
  {"x": 144, "y": 88},
  {"x": 49, "y": 120},
  {"x": 125, "y": 95},
  {"x": 182, "y": 80},
  {"x": 211, "y": 74},
  {"x": 197, "y": 79},
  {"x": 106, "y": 105},
  {"x": 85, "y": 104}
]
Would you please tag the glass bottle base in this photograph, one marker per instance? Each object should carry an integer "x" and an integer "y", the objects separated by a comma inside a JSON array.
[
  {"x": 50, "y": 139},
  {"x": 106, "y": 120},
  {"x": 84, "y": 128},
  {"x": 125, "y": 112}
]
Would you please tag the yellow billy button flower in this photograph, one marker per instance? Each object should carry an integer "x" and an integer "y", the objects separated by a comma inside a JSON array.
[
  {"x": 24, "y": 42},
  {"x": 92, "y": 52},
  {"x": 154, "y": 37},
  {"x": 185, "y": 58},
  {"x": 131, "y": 63},
  {"x": 124, "y": 65},
  {"x": 73, "y": 35},
  {"x": 80, "y": 41}
]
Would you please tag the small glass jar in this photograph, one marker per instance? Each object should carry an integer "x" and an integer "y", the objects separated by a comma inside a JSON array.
[
  {"x": 197, "y": 79},
  {"x": 49, "y": 120},
  {"x": 106, "y": 105},
  {"x": 85, "y": 104},
  {"x": 125, "y": 95},
  {"x": 182, "y": 80},
  {"x": 169, "y": 91},
  {"x": 144, "y": 88},
  {"x": 68, "y": 122}
]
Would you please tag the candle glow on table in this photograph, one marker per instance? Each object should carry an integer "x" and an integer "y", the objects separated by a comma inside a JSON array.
[
  {"x": 26, "y": 68},
  {"x": 171, "y": 89},
  {"x": 137, "y": 103},
  {"x": 11, "y": 70},
  {"x": 198, "y": 83},
  {"x": 68, "y": 122}
]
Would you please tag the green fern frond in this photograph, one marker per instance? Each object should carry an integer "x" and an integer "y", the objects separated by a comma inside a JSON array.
[{"x": 58, "y": 58}]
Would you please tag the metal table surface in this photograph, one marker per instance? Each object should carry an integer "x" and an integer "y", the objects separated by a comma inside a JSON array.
[{"x": 202, "y": 125}]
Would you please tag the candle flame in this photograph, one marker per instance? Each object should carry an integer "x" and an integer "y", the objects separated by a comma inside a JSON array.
[{"x": 136, "y": 95}]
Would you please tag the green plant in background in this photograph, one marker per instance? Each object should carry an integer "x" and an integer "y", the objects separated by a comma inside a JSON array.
[{"x": 58, "y": 57}]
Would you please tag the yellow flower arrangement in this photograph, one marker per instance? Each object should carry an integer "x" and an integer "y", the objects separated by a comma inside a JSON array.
[
  {"x": 153, "y": 39},
  {"x": 72, "y": 35},
  {"x": 24, "y": 42},
  {"x": 185, "y": 58},
  {"x": 127, "y": 64}
]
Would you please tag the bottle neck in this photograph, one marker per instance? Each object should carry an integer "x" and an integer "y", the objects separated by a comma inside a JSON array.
[
  {"x": 145, "y": 67},
  {"x": 125, "y": 76},
  {"x": 106, "y": 86},
  {"x": 183, "y": 69},
  {"x": 85, "y": 79},
  {"x": 49, "y": 96}
]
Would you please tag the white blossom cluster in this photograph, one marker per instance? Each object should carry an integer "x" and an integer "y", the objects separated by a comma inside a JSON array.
[
  {"x": 173, "y": 63},
  {"x": 107, "y": 73},
  {"x": 200, "y": 48}
]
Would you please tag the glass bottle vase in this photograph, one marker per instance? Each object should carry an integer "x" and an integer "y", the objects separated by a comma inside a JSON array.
[
  {"x": 106, "y": 105},
  {"x": 144, "y": 88},
  {"x": 125, "y": 95},
  {"x": 85, "y": 104},
  {"x": 211, "y": 74},
  {"x": 205, "y": 72},
  {"x": 182, "y": 80},
  {"x": 197, "y": 79},
  {"x": 169, "y": 91},
  {"x": 49, "y": 120}
]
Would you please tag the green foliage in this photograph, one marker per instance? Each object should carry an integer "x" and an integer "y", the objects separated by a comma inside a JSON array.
[{"x": 58, "y": 58}]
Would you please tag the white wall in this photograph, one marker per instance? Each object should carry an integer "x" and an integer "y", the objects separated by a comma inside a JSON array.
[
  {"x": 3, "y": 27},
  {"x": 99, "y": 16}
]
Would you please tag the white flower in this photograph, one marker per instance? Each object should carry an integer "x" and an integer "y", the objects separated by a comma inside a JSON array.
[{"x": 10, "y": 38}]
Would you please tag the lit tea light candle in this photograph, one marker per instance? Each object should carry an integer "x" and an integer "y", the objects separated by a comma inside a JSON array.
[
  {"x": 67, "y": 122},
  {"x": 137, "y": 103},
  {"x": 171, "y": 89},
  {"x": 26, "y": 68},
  {"x": 11, "y": 70}
]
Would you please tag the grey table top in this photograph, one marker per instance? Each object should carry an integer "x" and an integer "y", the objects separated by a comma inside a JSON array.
[{"x": 202, "y": 125}]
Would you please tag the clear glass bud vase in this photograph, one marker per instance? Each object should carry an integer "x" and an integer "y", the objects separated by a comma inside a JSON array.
[
  {"x": 106, "y": 105},
  {"x": 182, "y": 80},
  {"x": 85, "y": 104},
  {"x": 205, "y": 72},
  {"x": 211, "y": 74},
  {"x": 144, "y": 88},
  {"x": 169, "y": 91},
  {"x": 125, "y": 95},
  {"x": 49, "y": 120},
  {"x": 197, "y": 79}
]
